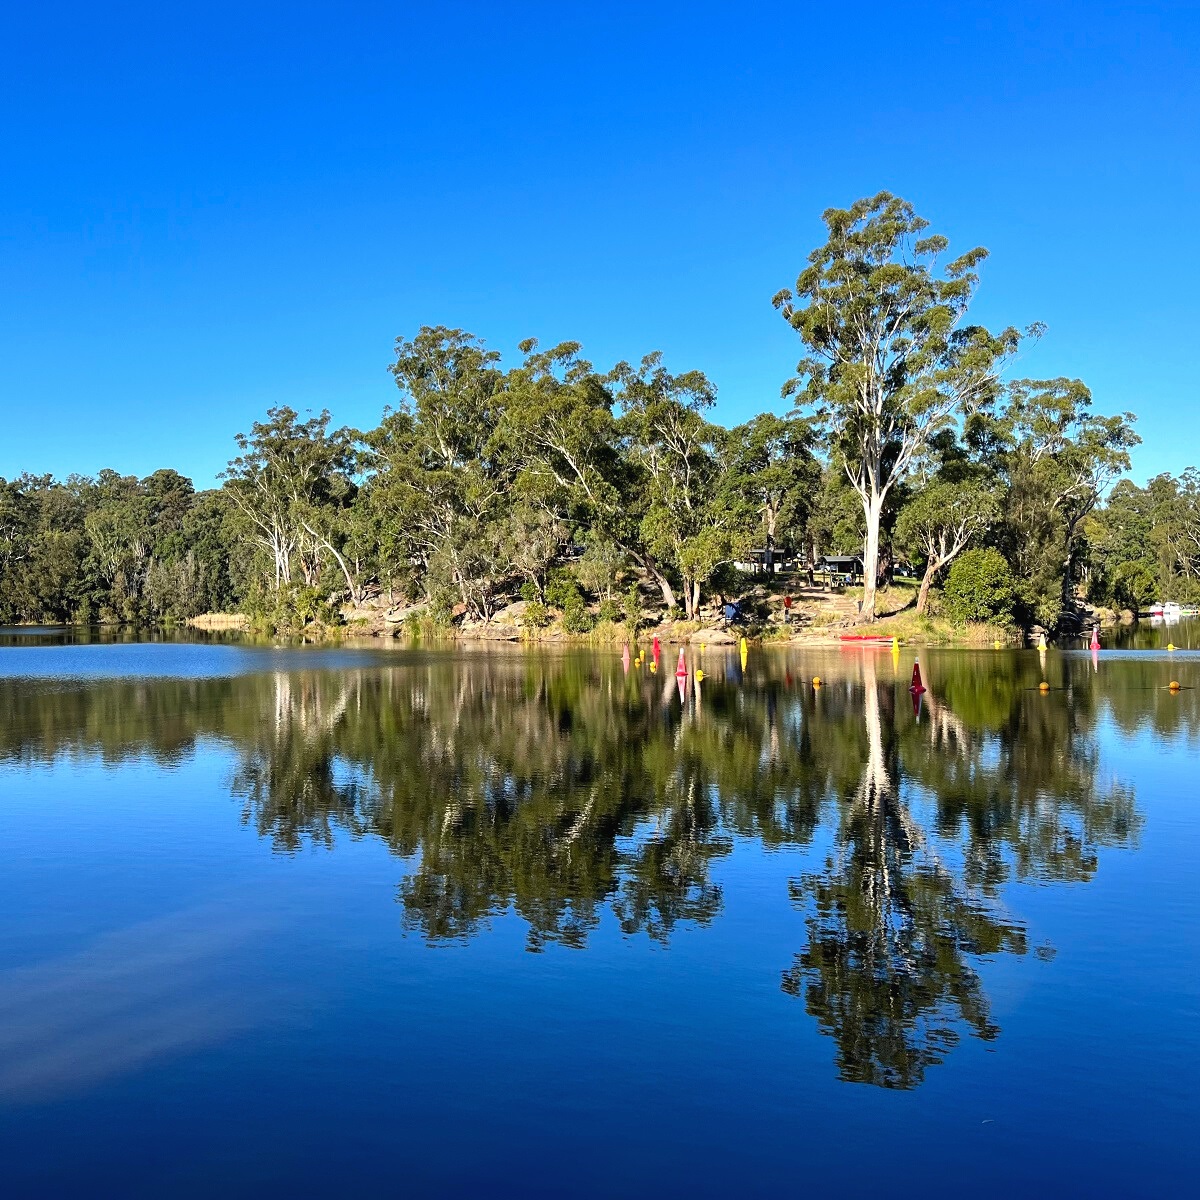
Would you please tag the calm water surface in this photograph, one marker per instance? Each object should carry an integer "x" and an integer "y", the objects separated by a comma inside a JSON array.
[{"x": 318, "y": 922}]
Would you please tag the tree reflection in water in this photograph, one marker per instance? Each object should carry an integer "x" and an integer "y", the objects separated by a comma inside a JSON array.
[
  {"x": 556, "y": 788},
  {"x": 887, "y": 971}
]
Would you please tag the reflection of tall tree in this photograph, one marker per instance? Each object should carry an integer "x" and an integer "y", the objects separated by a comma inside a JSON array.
[
  {"x": 888, "y": 969},
  {"x": 287, "y": 770}
]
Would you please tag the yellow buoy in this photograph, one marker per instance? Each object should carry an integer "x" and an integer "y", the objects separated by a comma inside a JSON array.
[
  {"x": 1170, "y": 646},
  {"x": 702, "y": 646},
  {"x": 1043, "y": 686},
  {"x": 996, "y": 644},
  {"x": 699, "y": 675},
  {"x": 1174, "y": 685},
  {"x": 653, "y": 667},
  {"x": 816, "y": 681}
]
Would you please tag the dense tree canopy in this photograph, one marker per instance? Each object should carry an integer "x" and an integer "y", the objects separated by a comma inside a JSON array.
[{"x": 604, "y": 490}]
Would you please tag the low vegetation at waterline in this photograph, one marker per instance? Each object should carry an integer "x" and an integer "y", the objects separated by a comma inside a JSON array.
[{"x": 609, "y": 495}]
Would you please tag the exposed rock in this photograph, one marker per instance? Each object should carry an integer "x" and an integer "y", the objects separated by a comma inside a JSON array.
[
  {"x": 510, "y": 614},
  {"x": 715, "y": 637}
]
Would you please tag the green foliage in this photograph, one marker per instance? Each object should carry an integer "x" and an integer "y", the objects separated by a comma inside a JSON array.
[
  {"x": 536, "y": 615},
  {"x": 890, "y": 361},
  {"x": 562, "y": 590},
  {"x": 980, "y": 587},
  {"x": 576, "y": 618},
  {"x": 610, "y": 611},
  {"x": 484, "y": 481},
  {"x": 631, "y": 606},
  {"x": 1144, "y": 543}
]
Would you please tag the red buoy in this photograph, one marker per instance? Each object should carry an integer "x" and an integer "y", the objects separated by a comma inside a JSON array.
[
  {"x": 1095, "y": 637},
  {"x": 656, "y": 650},
  {"x": 681, "y": 670},
  {"x": 917, "y": 686}
]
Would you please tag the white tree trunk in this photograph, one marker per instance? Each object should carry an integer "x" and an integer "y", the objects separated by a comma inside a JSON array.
[{"x": 873, "y": 511}]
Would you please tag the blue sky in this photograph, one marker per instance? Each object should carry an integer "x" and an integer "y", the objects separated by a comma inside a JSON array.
[{"x": 209, "y": 209}]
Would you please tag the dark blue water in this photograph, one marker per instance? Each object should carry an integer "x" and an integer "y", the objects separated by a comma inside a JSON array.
[{"x": 304, "y": 922}]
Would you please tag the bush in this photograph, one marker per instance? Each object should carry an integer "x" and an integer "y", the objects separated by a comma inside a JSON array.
[
  {"x": 535, "y": 615},
  {"x": 576, "y": 618},
  {"x": 610, "y": 611},
  {"x": 529, "y": 592},
  {"x": 633, "y": 608},
  {"x": 979, "y": 587},
  {"x": 562, "y": 590}
]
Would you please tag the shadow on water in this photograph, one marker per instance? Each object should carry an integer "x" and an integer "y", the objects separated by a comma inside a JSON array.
[{"x": 562, "y": 788}]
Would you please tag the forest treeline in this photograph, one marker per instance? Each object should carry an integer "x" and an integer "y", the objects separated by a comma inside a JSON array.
[{"x": 599, "y": 491}]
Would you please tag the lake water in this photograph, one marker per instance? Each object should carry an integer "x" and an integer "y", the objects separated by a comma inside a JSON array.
[{"x": 491, "y": 923}]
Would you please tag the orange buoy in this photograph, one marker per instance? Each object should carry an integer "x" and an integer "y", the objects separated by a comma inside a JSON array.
[
  {"x": 1043, "y": 686},
  {"x": 816, "y": 681},
  {"x": 1173, "y": 685},
  {"x": 917, "y": 686}
]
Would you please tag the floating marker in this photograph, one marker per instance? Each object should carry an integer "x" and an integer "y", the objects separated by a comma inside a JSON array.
[
  {"x": 657, "y": 649},
  {"x": 917, "y": 687},
  {"x": 699, "y": 675},
  {"x": 1095, "y": 643},
  {"x": 681, "y": 670},
  {"x": 1041, "y": 641},
  {"x": 816, "y": 681},
  {"x": 1043, "y": 686},
  {"x": 1170, "y": 645},
  {"x": 1173, "y": 685},
  {"x": 653, "y": 666}
]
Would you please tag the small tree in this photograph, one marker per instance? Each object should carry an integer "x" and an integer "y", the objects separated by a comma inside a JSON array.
[
  {"x": 940, "y": 522},
  {"x": 980, "y": 587}
]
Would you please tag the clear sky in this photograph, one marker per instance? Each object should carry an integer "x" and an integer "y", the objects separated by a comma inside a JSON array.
[{"x": 208, "y": 209}]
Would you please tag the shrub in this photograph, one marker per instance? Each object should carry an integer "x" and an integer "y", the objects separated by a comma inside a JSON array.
[
  {"x": 529, "y": 592},
  {"x": 562, "y": 590},
  {"x": 535, "y": 615},
  {"x": 576, "y": 618},
  {"x": 633, "y": 608},
  {"x": 979, "y": 587},
  {"x": 610, "y": 611}
]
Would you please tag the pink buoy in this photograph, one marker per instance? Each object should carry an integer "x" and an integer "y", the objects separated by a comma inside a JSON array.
[
  {"x": 681, "y": 670},
  {"x": 1095, "y": 645}
]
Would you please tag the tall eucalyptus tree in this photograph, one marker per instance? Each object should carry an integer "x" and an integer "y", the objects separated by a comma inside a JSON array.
[{"x": 889, "y": 360}]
